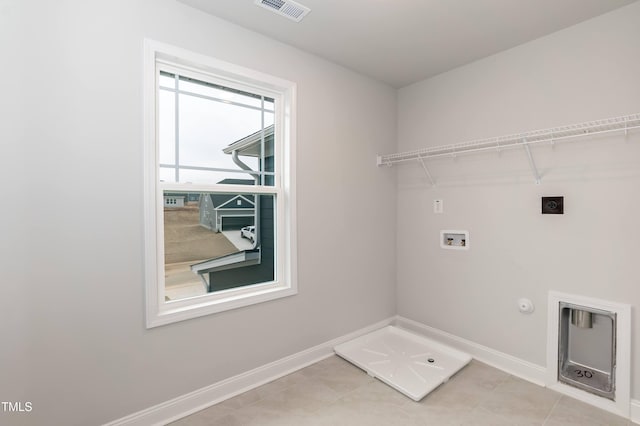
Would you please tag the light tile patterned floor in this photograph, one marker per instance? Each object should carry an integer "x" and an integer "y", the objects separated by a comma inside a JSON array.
[{"x": 333, "y": 392}]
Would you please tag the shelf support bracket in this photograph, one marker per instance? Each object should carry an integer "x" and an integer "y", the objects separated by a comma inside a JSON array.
[
  {"x": 426, "y": 171},
  {"x": 532, "y": 163}
]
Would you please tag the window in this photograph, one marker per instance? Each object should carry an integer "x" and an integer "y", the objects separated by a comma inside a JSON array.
[{"x": 220, "y": 207}]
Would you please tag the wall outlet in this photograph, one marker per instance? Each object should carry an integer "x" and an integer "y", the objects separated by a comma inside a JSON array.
[
  {"x": 552, "y": 205},
  {"x": 438, "y": 206}
]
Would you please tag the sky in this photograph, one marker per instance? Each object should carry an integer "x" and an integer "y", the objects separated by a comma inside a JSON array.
[{"x": 206, "y": 127}]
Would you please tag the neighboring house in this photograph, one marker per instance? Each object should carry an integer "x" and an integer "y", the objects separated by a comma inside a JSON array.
[
  {"x": 245, "y": 267},
  {"x": 174, "y": 201},
  {"x": 179, "y": 199},
  {"x": 223, "y": 212},
  {"x": 192, "y": 197}
]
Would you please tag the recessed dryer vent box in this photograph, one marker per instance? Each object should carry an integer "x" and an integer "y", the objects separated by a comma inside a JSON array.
[
  {"x": 454, "y": 240},
  {"x": 587, "y": 349}
]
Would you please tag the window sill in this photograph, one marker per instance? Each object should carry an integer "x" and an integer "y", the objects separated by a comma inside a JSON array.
[{"x": 184, "y": 309}]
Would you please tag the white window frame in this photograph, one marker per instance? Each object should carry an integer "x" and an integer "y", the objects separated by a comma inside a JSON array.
[{"x": 158, "y": 312}]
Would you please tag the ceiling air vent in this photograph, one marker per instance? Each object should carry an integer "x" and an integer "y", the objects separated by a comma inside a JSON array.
[{"x": 290, "y": 9}]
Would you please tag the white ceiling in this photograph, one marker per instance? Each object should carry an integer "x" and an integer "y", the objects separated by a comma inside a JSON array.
[{"x": 403, "y": 41}]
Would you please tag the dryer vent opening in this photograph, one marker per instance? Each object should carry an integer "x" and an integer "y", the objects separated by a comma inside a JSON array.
[
  {"x": 587, "y": 349},
  {"x": 581, "y": 318}
]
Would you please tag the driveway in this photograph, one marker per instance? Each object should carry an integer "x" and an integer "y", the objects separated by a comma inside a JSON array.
[{"x": 235, "y": 239}]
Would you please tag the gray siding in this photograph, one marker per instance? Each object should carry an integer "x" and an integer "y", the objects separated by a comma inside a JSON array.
[{"x": 265, "y": 271}]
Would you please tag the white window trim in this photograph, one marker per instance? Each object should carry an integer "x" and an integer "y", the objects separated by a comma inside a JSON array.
[{"x": 157, "y": 311}]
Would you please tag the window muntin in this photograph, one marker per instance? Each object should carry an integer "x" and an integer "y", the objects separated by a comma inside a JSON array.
[
  {"x": 199, "y": 119},
  {"x": 183, "y": 177}
]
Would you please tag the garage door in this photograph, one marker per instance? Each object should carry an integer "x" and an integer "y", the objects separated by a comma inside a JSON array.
[{"x": 230, "y": 223}]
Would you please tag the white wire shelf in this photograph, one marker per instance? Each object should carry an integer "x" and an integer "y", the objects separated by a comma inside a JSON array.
[{"x": 519, "y": 140}]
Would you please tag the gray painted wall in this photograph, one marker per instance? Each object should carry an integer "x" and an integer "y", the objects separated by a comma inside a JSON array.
[
  {"x": 77, "y": 346},
  {"x": 586, "y": 72},
  {"x": 72, "y": 317}
]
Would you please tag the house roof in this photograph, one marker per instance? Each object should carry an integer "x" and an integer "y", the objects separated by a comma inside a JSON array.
[
  {"x": 250, "y": 145},
  {"x": 238, "y": 181},
  {"x": 220, "y": 200},
  {"x": 230, "y": 261}
]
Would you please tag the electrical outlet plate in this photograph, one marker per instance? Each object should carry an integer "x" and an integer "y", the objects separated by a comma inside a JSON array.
[{"x": 438, "y": 206}]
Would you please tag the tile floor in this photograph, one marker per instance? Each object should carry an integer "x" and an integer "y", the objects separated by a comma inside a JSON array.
[{"x": 333, "y": 392}]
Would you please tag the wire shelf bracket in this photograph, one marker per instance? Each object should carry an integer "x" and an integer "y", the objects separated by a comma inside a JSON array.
[
  {"x": 532, "y": 163},
  {"x": 520, "y": 140},
  {"x": 426, "y": 171}
]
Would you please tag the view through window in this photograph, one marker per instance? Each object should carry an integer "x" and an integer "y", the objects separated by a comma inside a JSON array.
[
  {"x": 214, "y": 137},
  {"x": 219, "y": 185}
]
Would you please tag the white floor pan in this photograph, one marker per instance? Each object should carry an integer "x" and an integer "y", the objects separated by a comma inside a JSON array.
[{"x": 409, "y": 363}]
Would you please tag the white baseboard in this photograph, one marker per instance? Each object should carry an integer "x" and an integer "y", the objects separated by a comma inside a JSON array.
[
  {"x": 200, "y": 399},
  {"x": 635, "y": 411},
  {"x": 523, "y": 369}
]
